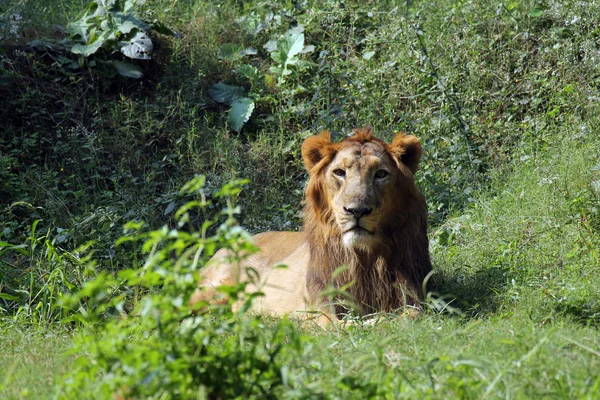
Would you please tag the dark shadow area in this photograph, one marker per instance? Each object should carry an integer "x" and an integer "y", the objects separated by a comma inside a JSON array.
[
  {"x": 586, "y": 313},
  {"x": 469, "y": 294}
]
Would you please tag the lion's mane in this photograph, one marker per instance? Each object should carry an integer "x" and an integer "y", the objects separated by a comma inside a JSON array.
[{"x": 389, "y": 276}]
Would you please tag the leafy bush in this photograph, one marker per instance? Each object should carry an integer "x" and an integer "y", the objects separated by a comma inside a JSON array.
[
  {"x": 144, "y": 338},
  {"x": 114, "y": 25},
  {"x": 284, "y": 51}
]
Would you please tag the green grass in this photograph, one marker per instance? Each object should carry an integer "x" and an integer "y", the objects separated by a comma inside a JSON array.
[
  {"x": 528, "y": 240},
  {"x": 503, "y": 96},
  {"x": 442, "y": 357},
  {"x": 33, "y": 359}
]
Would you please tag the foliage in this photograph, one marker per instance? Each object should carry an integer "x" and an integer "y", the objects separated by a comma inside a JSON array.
[
  {"x": 114, "y": 25},
  {"x": 52, "y": 273},
  {"x": 284, "y": 52},
  {"x": 236, "y": 97},
  {"x": 158, "y": 347}
]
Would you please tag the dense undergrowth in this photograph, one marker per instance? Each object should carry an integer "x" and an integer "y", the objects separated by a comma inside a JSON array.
[{"x": 504, "y": 97}]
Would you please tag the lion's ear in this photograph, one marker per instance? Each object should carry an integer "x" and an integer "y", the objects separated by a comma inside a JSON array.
[
  {"x": 407, "y": 149},
  {"x": 315, "y": 148}
]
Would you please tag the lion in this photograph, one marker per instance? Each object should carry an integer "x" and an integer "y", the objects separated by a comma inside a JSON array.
[{"x": 363, "y": 212}]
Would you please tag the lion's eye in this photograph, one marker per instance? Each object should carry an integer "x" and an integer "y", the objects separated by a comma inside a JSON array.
[
  {"x": 382, "y": 173},
  {"x": 339, "y": 172}
]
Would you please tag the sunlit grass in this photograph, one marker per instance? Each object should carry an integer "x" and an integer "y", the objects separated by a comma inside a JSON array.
[{"x": 33, "y": 359}]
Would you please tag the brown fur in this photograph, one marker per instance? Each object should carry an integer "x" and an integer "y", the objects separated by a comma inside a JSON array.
[
  {"x": 384, "y": 273},
  {"x": 392, "y": 275}
]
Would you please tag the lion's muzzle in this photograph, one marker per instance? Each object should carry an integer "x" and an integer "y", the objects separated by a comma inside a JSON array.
[{"x": 358, "y": 212}]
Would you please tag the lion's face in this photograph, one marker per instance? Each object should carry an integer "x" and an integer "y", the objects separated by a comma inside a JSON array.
[{"x": 361, "y": 183}]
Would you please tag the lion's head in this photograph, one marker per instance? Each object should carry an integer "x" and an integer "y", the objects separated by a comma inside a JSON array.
[
  {"x": 361, "y": 185},
  {"x": 364, "y": 211}
]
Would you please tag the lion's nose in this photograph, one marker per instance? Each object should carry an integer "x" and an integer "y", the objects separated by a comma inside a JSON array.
[{"x": 358, "y": 211}]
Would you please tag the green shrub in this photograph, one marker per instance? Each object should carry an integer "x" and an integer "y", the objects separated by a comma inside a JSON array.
[
  {"x": 144, "y": 339},
  {"x": 114, "y": 26}
]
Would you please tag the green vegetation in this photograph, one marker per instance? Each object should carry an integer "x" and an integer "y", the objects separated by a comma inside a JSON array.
[
  {"x": 33, "y": 360},
  {"x": 504, "y": 97}
]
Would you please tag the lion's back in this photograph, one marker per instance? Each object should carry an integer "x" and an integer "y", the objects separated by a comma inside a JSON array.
[{"x": 284, "y": 288}]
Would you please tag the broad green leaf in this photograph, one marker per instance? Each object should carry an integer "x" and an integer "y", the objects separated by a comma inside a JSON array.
[
  {"x": 195, "y": 185},
  {"x": 248, "y": 71},
  {"x": 169, "y": 208},
  {"x": 536, "y": 12},
  {"x": 234, "y": 52},
  {"x": 277, "y": 70},
  {"x": 128, "y": 70},
  {"x": 222, "y": 93},
  {"x": 92, "y": 8},
  {"x": 79, "y": 28},
  {"x": 251, "y": 23},
  {"x": 271, "y": 46},
  {"x": 125, "y": 20},
  {"x": 282, "y": 71},
  {"x": 7, "y": 247},
  {"x": 240, "y": 112},
  {"x": 554, "y": 112},
  {"x": 129, "y": 4},
  {"x": 230, "y": 51},
  {"x": 569, "y": 89},
  {"x": 127, "y": 26},
  {"x": 368, "y": 54},
  {"x": 42, "y": 45},
  {"x": 288, "y": 46},
  {"x": 511, "y": 5},
  {"x": 308, "y": 49},
  {"x": 89, "y": 49},
  {"x": 106, "y": 25},
  {"x": 248, "y": 51}
]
